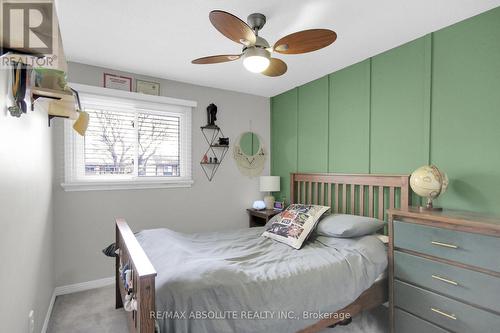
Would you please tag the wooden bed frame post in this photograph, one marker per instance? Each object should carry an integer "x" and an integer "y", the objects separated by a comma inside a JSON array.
[
  {"x": 143, "y": 280},
  {"x": 405, "y": 193},
  {"x": 118, "y": 297}
]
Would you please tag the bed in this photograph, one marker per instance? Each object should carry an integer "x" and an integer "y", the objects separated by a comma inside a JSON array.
[{"x": 240, "y": 282}]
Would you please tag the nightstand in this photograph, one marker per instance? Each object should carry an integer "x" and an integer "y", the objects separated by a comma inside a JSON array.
[{"x": 259, "y": 218}]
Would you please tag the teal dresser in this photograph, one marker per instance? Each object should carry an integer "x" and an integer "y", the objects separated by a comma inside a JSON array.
[{"x": 444, "y": 272}]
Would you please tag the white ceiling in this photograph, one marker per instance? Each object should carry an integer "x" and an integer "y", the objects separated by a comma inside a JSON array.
[{"x": 160, "y": 37}]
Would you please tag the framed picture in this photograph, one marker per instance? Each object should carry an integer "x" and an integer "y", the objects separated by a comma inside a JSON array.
[
  {"x": 146, "y": 87},
  {"x": 117, "y": 82},
  {"x": 279, "y": 205}
]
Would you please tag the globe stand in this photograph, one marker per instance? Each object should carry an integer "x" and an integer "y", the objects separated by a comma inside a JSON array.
[{"x": 429, "y": 207}]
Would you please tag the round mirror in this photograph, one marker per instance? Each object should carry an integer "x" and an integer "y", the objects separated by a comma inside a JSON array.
[
  {"x": 249, "y": 154},
  {"x": 249, "y": 143}
]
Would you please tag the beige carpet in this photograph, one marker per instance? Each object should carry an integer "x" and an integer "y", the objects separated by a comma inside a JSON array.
[{"x": 93, "y": 311}]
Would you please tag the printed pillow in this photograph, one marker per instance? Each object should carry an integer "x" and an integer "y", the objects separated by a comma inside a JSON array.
[
  {"x": 272, "y": 220},
  {"x": 293, "y": 226},
  {"x": 346, "y": 226}
]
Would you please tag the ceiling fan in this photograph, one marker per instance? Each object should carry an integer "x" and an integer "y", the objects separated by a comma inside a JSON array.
[{"x": 256, "y": 52}]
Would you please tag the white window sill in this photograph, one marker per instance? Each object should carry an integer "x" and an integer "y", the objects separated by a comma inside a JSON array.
[{"x": 123, "y": 185}]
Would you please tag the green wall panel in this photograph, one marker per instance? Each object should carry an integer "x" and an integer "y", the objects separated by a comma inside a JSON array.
[
  {"x": 400, "y": 108},
  {"x": 284, "y": 139},
  {"x": 313, "y": 126},
  {"x": 349, "y": 126},
  {"x": 466, "y": 112}
]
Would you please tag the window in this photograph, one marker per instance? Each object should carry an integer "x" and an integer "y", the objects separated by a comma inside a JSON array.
[{"x": 132, "y": 141}]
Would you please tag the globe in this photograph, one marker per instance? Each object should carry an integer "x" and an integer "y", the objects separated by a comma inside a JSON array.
[{"x": 429, "y": 182}]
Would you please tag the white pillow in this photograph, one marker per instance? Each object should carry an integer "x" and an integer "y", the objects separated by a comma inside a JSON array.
[
  {"x": 293, "y": 226},
  {"x": 347, "y": 226}
]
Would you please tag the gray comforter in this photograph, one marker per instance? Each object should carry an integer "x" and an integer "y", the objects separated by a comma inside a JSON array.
[{"x": 237, "y": 281}]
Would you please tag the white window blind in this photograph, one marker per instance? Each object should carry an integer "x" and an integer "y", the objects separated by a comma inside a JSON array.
[
  {"x": 158, "y": 145},
  {"x": 129, "y": 144},
  {"x": 110, "y": 143}
]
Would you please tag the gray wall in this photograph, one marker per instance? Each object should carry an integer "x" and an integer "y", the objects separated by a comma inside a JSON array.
[
  {"x": 84, "y": 220},
  {"x": 26, "y": 219}
]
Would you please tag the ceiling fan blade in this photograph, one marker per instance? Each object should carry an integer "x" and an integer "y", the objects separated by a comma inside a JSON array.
[
  {"x": 232, "y": 27},
  {"x": 216, "y": 59},
  {"x": 305, "y": 41},
  {"x": 277, "y": 67}
]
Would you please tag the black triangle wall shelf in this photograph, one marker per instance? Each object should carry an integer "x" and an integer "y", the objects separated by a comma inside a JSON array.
[{"x": 215, "y": 152}]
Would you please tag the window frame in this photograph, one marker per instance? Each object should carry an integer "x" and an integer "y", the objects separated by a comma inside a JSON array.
[{"x": 124, "y": 101}]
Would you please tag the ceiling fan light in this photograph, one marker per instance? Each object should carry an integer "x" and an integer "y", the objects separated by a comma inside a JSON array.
[
  {"x": 256, "y": 64},
  {"x": 256, "y": 60}
]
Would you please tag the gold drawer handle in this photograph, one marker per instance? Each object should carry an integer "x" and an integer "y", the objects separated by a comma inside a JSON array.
[
  {"x": 437, "y": 277},
  {"x": 450, "y": 246},
  {"x": 444, "y": 314}
]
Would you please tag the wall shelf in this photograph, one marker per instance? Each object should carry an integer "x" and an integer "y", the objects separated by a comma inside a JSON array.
[
  {"x": 211, "y": 133},
  {"x": 50, "y": 93},
  {"x": 37, "y": 92},
  {"x": 215, "y": 127}
]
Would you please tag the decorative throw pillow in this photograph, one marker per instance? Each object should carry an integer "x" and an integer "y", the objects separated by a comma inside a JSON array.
[
  {"x": 346, "y": 226},
  {"x": 273, "y": 219},
  {"x": 293, "y": 226}
]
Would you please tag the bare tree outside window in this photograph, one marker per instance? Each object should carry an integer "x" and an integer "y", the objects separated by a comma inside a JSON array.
[
  {"x": 116, "y": 139},
  {"x": 109, "y": 143},
  {"x": 153, "y": 132}
]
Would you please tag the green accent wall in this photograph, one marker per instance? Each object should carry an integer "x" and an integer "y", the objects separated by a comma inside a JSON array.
[
  {"x": 349, "y": 116},
  {"x": 284, "y": 138},
  {"x": 400, "y": 108},
  {"x": 465, "y": 123},
  {"x": 432, "y": 100},
  {"x": 312, "y": 152}
]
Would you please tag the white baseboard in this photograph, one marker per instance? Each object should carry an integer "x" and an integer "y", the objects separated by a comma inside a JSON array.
[
  {"x": 74, "y": 288},
  {"x": 49, "y": 312}
]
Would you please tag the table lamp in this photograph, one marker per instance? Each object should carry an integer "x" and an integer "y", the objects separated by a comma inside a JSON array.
[{"x": 269, "y": 184}]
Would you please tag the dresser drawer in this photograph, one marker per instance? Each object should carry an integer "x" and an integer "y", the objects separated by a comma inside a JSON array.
[
  {"x": 445, "y": 312},
  {"x": 405, "y": 322},
  {"x": 468, "y": 248},
  {"x": 470, "y": 286}
]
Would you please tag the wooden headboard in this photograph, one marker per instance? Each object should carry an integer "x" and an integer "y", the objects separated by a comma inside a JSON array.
[{"x": 357, "y": 194}]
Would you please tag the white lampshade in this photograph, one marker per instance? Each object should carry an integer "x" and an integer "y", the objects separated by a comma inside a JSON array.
[
  {"x": 256, "y": 60},
  {"x": 269, "y": 183}
]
